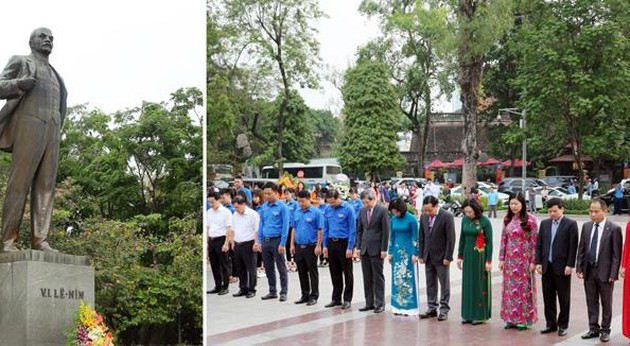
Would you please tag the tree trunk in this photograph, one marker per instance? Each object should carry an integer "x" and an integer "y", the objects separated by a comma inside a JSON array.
[{"x": 470, "y": 69}]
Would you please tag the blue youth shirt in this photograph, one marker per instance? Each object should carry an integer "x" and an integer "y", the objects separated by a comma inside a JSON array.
[
  {"x": 339, "y": 222},
  {"x": 306, "y": 224},
  {"x": 493, "y": 198},
  {"x": 356, "y": 206},
  {"x": 274, "y": 222}
]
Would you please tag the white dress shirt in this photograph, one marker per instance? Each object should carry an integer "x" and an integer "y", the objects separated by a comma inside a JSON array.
[
  {"x": 245, "y": 225},
  {"x": 600, "y": 231},
  {"x": 219, "y": 221}
]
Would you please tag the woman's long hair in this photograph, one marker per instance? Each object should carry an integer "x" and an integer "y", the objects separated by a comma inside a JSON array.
[{"x": 524, "y": 217}]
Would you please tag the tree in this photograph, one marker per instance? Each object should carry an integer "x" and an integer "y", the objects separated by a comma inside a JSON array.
[
  {"x": 368, "y": 143},
  {"x": 326, "y": 129},
  {"x": 575, "y": 71},
  {"x": 280, "y": 31},
  {"x": 297, "y": 142},
  {"x": 410, "y": 47},
  {"x": 479, "y": 24}
]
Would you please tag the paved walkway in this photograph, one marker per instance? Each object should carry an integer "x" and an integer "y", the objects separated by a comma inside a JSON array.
[{"x": 242, "y": 321}]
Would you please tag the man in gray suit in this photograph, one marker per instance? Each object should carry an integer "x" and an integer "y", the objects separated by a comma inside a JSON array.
[
  {"x": 436, "y": 243},
  {"x": 372, "y": 241},
  {"x": 598, "y": 260},
  {"x": 30, "y": 127}
]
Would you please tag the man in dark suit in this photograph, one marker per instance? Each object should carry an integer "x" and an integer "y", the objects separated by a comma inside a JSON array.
[
  {"x": 372, "y": 241},
  {"x": 556, "y": 248},
  {"x": 30, "y": 128},
  {"x": 598, "y": 260},
  {"x": 436, "y": 242}
]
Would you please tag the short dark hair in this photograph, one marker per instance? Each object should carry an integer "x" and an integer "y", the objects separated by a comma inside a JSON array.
[
  {"x": 555, "y": 201},
  {"x": 368, "y": 194},
  {"x": 333, "y": 194},
  {"x": 474, "y": 205},
  {"x": 398, "y": 204},
  {"x": 303, "y": 194},
  {"x": 238, "y": 176},
  {"x": 291, "y": 190},
  {"x": 228, "y": 191},
  {"x": 239, "y": 200},
  {"x": 214, "y": 194},
  {"x": 601, "y": 203},
  {"x": 273, "y": 186},
  {"x": 430, "y": 200}
]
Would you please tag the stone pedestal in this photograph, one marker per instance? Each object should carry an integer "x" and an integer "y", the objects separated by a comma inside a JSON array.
[{"x": 40, "y": 293}]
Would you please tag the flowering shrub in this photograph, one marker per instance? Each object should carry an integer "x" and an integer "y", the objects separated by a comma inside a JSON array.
[{"x": 90, "y": 329}]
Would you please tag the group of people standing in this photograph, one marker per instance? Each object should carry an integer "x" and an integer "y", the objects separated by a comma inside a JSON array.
[{"x": 372, "y": 233}]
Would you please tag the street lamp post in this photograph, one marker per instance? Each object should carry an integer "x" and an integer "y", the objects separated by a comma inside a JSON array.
[{"x": 522, "y": 123}]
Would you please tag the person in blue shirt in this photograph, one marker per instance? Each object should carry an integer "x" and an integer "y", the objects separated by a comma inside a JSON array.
[
  {"x": 618, "y": 199},
  {"x": 319, "y": 202},
  {"x": 493, "y": 200},
  {"x": 226, "y": 198},
  {"x": 339, "y": 236},
  {"x": 238, "y": 186},
  {"x": 355, "y": 202},
  {"x": 571, "y": 188},
  {"x": 306, "y": 246},
  {"x": 272, "y": 234},
  {"x": 292, "y": 204}
]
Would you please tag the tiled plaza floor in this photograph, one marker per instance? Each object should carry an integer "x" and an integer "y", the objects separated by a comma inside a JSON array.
[{"x": 242, "y": 321}]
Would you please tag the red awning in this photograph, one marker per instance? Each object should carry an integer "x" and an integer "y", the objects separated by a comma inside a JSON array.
[
  {"x": 457, "y": 163},
  {"x": 517, "y": 163},
  {"x": 437, "y": 164},
  {"x": 489, "y": 161}
]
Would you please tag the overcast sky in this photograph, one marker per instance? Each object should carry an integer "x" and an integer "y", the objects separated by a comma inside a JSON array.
[
  {"x": 340, "y": 34},
  {"x": 114, "y": 54}
]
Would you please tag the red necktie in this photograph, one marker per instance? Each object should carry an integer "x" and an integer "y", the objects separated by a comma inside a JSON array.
[{"x": 369, "y": 214}]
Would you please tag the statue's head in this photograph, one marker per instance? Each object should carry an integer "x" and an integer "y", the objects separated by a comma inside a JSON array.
[{"x": 41, "y": 41}]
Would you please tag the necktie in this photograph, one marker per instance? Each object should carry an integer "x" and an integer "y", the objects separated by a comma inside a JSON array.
[
  {"x": 554, "y": 229},
  {"x": 369, "y": 215},
  {"x": 592, "y": 253},
  {"x": 431, "y": 219}
]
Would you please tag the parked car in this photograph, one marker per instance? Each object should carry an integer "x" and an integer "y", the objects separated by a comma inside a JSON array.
[
  {"x": 483, "y": 192},
  {"x": 409, "y": 181},
  {"x": 609, "y": 197},
  {"x": 563, "y": 193},
  {"x": 558, "y": 180},
  {"x": 510, "y": 185}
]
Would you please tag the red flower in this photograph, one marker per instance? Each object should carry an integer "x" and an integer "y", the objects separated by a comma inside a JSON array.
[{"x": 480, "y": 243}]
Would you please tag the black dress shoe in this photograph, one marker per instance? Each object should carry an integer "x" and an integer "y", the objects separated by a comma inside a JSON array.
[
  {"x": 562, "y": 332},
  {"x": 312, "y": 302},
  {"x": 239, "y": 294},
  {"x": 283, "y": 297},
  {"x": 366, "y": 308},
  {"x": 302, "y": 300},
  {"x": 590, "y": 335},
  {"x": 269, "y": 296},
  {"x": 548, "y": 330},
  {"x": 346, "y": 305},
  {"x": 379, "y": 309},
  {"x": 251, "y": 294},
  {"x": 332, "y": 304},
  {"x": 224, "y": 291},
  {"x": 428, "y": 314},
  {"x": 214, "y": 290},
  {"x": 604, "y": 337},
  {"x": 466, "y": 322},
  {"x": 442, "y": 317}
]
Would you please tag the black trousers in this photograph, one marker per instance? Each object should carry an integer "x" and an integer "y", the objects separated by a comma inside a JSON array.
[
  {"x": 219, "y": 263},
  {"x": 434, "y": 274},
  {"x": 340, "y": 269},
  {"x": 307, "y": 270},
  {"x": 597, "y": 291},
  {"x": 556, "y": 286},
  {"x": 245, "y": 262},
  {"x": 373, "y": 280}
]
